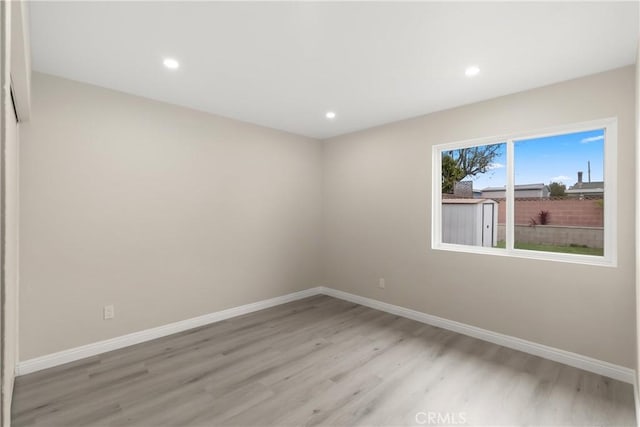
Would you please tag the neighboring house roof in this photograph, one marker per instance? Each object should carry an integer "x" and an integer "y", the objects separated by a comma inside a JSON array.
[
  {"x": 466, "y": 201},
  {"x": 582, "y": 188},
  {"x": 517, "y": 187},
  {"x": 588, "y": 185}
]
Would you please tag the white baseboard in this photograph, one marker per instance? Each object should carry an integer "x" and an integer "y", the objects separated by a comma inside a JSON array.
[
  {"x": 568, "y": 358},
  {"x": 596, "y": 366},
  {"x": 77, "y": 353}
]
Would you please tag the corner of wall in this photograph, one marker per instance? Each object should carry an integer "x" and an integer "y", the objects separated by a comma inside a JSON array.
[{"x": 20, "y": 68}]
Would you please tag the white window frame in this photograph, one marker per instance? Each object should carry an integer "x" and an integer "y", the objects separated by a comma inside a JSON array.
[{"x": 610, "y": 126}]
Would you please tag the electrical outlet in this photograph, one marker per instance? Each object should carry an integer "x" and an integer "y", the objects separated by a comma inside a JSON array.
[
  {"x": 381, "y": 283},
  {"x": 109, "y": 312}
]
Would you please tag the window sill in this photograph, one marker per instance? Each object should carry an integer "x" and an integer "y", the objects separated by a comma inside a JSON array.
[{"x": 593, "y": 260}]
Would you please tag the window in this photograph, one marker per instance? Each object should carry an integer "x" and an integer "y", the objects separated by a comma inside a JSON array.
[{"x": 549, "y": 194}]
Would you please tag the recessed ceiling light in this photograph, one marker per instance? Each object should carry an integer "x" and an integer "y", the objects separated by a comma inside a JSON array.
[
  {"x": 330, "y": 115},
  {"x": 472, "y": 71},
  {"x": 171, "y": 63}
]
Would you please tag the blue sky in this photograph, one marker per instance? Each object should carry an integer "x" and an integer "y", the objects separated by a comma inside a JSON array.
[{"x": 554, "y": 158}]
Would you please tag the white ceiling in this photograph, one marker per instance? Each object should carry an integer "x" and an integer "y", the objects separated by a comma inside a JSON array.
[{"x": 283, "y": 65}]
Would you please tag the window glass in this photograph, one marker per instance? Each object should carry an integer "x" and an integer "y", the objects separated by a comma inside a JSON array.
[
  {"x": 559, "y": 193},
  {"x": 473, "y": 186}
]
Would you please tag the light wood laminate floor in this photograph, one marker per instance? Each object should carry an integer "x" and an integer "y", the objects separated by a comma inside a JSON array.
[{"x": 318, "y": 361}]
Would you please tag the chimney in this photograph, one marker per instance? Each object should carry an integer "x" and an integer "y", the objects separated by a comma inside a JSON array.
[{"x": 579, "y": 185}]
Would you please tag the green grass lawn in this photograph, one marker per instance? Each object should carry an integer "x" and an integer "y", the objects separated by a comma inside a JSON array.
[{"x": 556, "y": 248}]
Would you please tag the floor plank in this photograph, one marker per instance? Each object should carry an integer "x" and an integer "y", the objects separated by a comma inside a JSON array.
[{"x": 318, "y": 361}]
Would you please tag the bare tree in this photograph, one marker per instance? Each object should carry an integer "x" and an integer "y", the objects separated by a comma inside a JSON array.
[{"x": 475, "y": 160}]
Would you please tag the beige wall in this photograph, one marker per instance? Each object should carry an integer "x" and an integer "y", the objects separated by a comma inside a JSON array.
[
  {"x": 165, "y": 212},
  {"x": 170, "y": 213},
  {"x": 377, "y": 193}
]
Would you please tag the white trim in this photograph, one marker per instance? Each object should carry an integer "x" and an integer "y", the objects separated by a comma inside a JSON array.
[
  {"x": 77, "y": 353},
  {"x": 611, "y": 192},
  {"x": 533, "y": 133},
  {"x": 523, "y": 253},
  {"x": 596, "y": 366},
  {"x": 636, "y": 395},
  {"x": 568, "y": 358},
  {"x": 610, "y": 258},
  {"x": 510, "y": 193},
  {"x": 436, "y": 196}
]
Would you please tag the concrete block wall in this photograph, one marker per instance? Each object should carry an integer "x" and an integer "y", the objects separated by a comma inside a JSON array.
[
  {"x": 592, "y": 237},
  {"x": 569, "y": 212}
]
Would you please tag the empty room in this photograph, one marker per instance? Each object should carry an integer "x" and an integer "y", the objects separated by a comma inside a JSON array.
[{"x": 319, "y": 213}]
